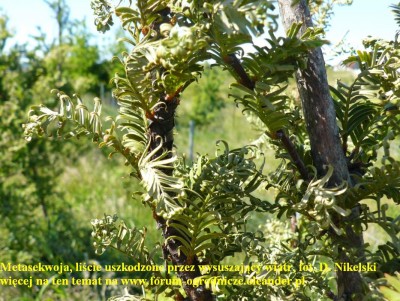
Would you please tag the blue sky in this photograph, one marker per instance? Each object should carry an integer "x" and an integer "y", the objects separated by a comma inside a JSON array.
[
  {"x": 25, "y": 15},
  {"x": 364, "y": 17}
]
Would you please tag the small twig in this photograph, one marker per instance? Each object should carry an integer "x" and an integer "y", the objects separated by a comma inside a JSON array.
[
  {"x": 289, "y": 146},
  {"x": 246, "y": 81},
  {"x": 293, "y": 228},
  {"x": 234, "y": 62}
]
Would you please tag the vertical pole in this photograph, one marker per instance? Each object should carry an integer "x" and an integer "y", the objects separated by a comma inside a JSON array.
[
  {"x": 102, "y": 92},
  {"x": 191, "y": 139}
]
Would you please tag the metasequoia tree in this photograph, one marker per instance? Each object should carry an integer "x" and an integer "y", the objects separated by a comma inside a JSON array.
[{"x": 328, "y": 144}]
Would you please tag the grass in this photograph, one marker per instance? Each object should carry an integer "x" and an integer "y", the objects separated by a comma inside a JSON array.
[{"x": 98, "y": 186}]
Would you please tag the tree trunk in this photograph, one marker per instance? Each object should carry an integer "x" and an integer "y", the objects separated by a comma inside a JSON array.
[
  {"x": 162, "y": 126},
  {"x": 326, "y": 149}
]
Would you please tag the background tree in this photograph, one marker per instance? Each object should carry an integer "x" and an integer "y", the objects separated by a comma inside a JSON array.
[
  {"x": 37, "y": 223},
  {"x": 31, "y": 215},
  {"x": 328, "y": 163},
  {"x": 71, "y": 62}
]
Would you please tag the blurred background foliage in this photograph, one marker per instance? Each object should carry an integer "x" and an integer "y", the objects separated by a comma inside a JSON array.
[
  {"x": 41, "y": 221},
  {"x": 49, "y": 223}
]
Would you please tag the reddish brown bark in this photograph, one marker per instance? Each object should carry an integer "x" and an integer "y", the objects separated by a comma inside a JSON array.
[{"x": 162, "y": 126}]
